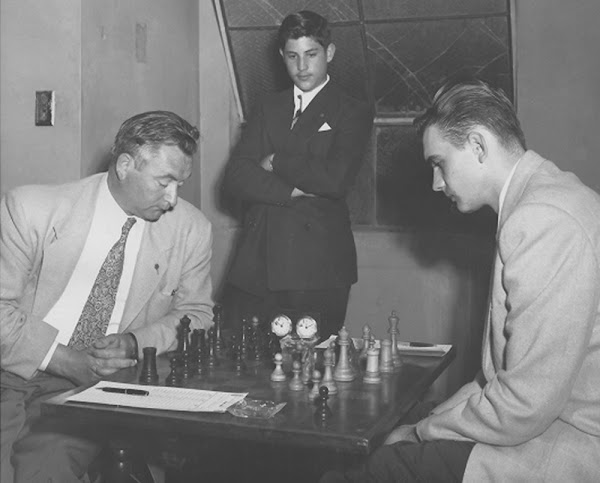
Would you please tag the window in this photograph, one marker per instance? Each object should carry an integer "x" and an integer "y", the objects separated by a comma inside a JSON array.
[{"x": 395, "y": 54}]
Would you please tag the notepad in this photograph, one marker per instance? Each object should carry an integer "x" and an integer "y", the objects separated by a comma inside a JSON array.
[{"x": 160, "y": 397}]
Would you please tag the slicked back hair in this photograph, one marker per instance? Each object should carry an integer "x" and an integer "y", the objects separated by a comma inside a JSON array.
[
  {"x": 304, "y": 24},
  {"x": 458, "y": 107},
  {"x": 153, "y": 129}
]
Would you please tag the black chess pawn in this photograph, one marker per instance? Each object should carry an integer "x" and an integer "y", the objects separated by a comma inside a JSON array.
[
  {"x": 173, "y": 377},
  {"x": 201, "y": 351},
  {"x": 149, "y": 374},
  {"x": 211, "y": 358},
  {"x": 218, "y": 321},
  {"x": 323, "y": 412},
  {"x": 185, "y": 369}
]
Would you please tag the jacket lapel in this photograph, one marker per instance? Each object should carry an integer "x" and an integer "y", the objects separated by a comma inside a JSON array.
[
  {"x": 63, "y": 246},
  {"x": 319, "y": 111},
  {"x": 151, "y": 265}
]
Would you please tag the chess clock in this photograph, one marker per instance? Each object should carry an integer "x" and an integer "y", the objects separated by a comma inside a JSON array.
[
  {"x": 306, "y": 327},
  {"x": 281, "y": 325}
]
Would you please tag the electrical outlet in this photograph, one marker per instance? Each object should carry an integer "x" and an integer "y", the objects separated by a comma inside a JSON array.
[{"x": 44, "y": 108}]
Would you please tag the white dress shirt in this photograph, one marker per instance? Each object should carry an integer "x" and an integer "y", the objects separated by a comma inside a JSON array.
[{"x": 105, "y": 230}]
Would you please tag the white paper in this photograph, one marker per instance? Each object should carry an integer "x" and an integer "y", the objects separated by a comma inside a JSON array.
[{"x": 160, "y": 397}]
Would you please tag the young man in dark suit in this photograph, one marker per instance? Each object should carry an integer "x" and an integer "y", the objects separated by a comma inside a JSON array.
[{"x": 298, "y": 156}]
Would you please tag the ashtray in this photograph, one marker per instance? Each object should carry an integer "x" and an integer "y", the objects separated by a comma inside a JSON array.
[{"x": 255, "y": 408}]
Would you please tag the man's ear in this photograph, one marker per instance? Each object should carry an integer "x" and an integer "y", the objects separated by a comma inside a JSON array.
[
  {"x": 123, "y": 165},
  {"x": 330, "y": 52},
  {"x": 478, "y": 144}
]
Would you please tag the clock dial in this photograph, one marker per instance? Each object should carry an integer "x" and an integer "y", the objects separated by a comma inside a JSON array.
[
  {"x": 306, "y": 327},
  {"x": 281, "y": 325}
]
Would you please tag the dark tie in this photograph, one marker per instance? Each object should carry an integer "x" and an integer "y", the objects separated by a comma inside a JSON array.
[
  {"x": 98, "y": 309},
  {"x": 298, "y": 112}
]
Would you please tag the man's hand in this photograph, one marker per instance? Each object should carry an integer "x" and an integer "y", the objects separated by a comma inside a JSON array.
[
  {"x": 114, "y": 346},
  {"x": 403, "y": 433},
  {"x": 82, "y": 367},
  {"x": 267, "y": 163}
]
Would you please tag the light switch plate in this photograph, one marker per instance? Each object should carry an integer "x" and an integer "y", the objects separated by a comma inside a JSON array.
[{"x": 44, "y": 108}]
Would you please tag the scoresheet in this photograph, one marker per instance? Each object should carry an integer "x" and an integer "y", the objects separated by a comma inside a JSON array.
[{"x": 158, "y": 397}]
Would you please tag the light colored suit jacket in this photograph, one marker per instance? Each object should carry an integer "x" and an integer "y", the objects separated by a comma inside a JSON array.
[
  {"x": 43, "y": 231},
  {"x": 534, "y": 410}
]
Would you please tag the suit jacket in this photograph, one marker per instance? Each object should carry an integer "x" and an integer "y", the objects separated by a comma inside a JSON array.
[
  {"x": 534, "y": 410},
  {"x": 44, "y": 229},
  {"x": 306, "y": 242}
]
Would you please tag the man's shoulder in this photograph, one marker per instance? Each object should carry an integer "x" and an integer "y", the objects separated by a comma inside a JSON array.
[
  {"x": 52, "y": 194},
  {"x": 185, "y": 214}
]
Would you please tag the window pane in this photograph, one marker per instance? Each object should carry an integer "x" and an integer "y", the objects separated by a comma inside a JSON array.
[
  {"x": 253, "y": 13},
  {"x": 400, "y": 9},
  {"x": 412, "y": 59}
]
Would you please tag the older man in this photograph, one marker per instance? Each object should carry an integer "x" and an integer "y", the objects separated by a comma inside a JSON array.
[{"x": 93, "y": 271}]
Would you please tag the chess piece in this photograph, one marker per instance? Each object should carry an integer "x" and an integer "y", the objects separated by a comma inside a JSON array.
[
  {"x": 296, "y": 383},
  {"x": 307, "y": 365},
  {"x": 194, "y": 345},
  {"x": 328, "y": 364},
  {"x": 316, "y": 380},
  {"x": 386, "y": 364},
  {"x": 372, "y": 372},
  {"x": 278, "y": 375},
  {"x": 149, "y": 374},
  {"x": 185, "y": 370},
  {"x": 244, "y": 341},
  {"x": 257, "y": 345},
  {"x": 173, "y": 378},
  {"x": 343, "y": 370},
  {"x": 366, "y": 339},
  {"x": 184, "y": 334},
  {"x": 393, "y": 331},
  {"x": 211, "y": 359},
  {"x": 200, "y": 350},
  {"x": 218, "y": 320},
  {"x": 323, "y": 412}
]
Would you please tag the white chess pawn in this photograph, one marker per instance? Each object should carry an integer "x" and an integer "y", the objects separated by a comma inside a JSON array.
[
  {"x": 328, "y": 380},
  {"x": 296, "y": 383},
  {"x": 278, "y": 375},
  {"x": 316, "y": 379}
]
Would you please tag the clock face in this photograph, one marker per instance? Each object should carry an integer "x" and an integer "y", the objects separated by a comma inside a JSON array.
[
  {"x": 281, "y": 325},
  {"x": 306, "y": 327}
]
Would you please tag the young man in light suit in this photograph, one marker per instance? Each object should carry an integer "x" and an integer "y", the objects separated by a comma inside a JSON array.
[
  {"x": 61, "y": 325},
  {"x": 297, "y": 159},
  {"x": 533, "y": 412}
]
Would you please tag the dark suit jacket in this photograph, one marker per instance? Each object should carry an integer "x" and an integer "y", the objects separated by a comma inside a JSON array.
[{"x": 302, "y": 243}]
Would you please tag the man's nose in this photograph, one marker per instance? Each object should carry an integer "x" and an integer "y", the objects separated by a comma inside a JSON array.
[
  {"x": 171, "y": 194},
  {"x": 302, "y": 64},
  {"x": 438, "y": 181}
]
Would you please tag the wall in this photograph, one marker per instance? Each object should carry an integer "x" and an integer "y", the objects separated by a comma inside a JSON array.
[
  {"x": 558, "y": 81},
  {"x": 87, "y": 52},
  {"x": 40, "y": 49}
]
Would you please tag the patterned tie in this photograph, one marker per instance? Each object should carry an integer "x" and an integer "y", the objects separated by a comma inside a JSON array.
[
  {"x": 98, "y": 309},
  {"x": 297, "y": 113}
]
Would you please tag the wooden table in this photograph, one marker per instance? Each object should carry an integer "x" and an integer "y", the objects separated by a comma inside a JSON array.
[{"x": 362, "y": 414}]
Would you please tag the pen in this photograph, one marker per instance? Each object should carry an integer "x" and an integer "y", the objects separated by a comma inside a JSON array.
[{"x": 131, "y": 392}]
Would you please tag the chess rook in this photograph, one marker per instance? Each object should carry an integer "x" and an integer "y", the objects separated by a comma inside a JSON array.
[
  {"x": 372, "y": 372},
  {"x": 149, "y": 374},
  {"x": 386, "y": 364}
]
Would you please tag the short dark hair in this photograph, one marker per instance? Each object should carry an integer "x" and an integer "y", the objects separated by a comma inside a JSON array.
[
  {"x": 304, "y": 24},
  {"x": 460, "y": 106},
  {"x": 155, "y": 128}
]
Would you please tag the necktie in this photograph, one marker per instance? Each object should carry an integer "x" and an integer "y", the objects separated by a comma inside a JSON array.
[
  {"x": 298, "y": 112},
  {"x": 98, "y": 309}
]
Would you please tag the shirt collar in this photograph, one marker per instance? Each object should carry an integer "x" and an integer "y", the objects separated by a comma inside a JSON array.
[
  {"x": 307, "y": 97},
  {"x": 505, "y": 189}
]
